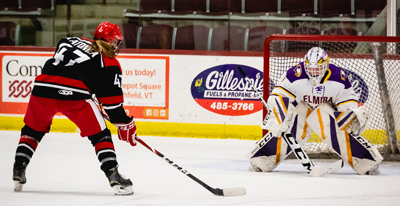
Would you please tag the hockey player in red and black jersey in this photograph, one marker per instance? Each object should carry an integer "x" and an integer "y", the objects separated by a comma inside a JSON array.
[{"x": 80, "y": 69}]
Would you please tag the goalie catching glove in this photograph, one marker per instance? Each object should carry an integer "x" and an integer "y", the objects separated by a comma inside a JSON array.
[{"x": 127, "y": 132}]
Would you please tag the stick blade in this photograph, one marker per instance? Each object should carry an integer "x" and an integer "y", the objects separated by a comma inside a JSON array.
[
  {"x": 319, "y": 171},
  {"x": 236, "y": 191}
]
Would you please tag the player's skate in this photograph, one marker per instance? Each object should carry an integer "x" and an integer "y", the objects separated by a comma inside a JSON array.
[
  {"x": 19, "y": 175},
  {"x": 120, "y": 184}
]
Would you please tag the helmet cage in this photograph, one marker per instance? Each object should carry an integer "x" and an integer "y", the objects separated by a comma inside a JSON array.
[
  {"x": 316, "y": 63},
  {"x": 117, "y": 44}
]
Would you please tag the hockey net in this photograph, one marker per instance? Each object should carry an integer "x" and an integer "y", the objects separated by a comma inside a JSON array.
[{"x": 372, "y": 64}]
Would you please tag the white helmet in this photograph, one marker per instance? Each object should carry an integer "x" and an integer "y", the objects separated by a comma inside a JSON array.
[{"x": 316, "y": 63}]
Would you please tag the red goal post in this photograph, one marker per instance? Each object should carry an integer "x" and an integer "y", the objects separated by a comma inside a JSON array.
[{"x": 372, "y": 63}]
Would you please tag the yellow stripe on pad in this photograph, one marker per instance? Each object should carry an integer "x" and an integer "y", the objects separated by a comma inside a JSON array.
[
  {"x": 276, "y": 115},
  {"x": 283, "y": 104},
  {"x": 338, "y": 117},
  {"x": 305, "y": 124},
  {"x": 348, "y": 145},
  {"x": 321, "y": 124},
  {"x": 278, "y": 150},
  {"x": 348, "y": 124}
]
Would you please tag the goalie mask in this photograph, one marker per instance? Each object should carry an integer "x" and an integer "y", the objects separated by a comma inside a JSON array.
[
  {"x": 316, "y": 63},
  {"x": 110, "y": 33}
]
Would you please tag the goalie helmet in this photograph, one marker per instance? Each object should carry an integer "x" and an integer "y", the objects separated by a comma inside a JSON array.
[
  {"x": 316, "y": 63},
  {"x": 110, "y": 33}
]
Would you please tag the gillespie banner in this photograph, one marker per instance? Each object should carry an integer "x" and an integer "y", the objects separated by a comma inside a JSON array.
[{"x": 223, "y": 90}]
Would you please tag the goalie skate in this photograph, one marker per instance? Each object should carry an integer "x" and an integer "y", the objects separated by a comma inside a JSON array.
[
  {"x": 19, "y": 176},
  {"x": 120, "y": 184},
  {"x": 374, "y": 171}
]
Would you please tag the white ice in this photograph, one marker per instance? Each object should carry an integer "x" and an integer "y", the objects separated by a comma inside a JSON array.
[{"x": 65, "y": 171}]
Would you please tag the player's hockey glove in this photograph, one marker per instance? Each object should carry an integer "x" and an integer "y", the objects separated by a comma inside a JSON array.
[{"x": 127, "y": 132}]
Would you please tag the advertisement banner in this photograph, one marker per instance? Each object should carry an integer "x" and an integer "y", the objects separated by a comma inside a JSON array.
[
  {"x": 223, "y": 90},
  {"x": 145, "y": 82},
  {"x": 17, "y": 76}
]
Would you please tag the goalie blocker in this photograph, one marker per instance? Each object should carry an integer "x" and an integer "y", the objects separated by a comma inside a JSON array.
[{"x": 339, "y": 130}]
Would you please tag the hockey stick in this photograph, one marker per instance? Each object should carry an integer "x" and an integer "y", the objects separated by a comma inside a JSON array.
[
  {"x": 294, "y": 146},
  {"x": 236, "y": 191}
]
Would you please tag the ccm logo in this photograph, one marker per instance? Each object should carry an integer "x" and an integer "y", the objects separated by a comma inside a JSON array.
[
  {"x": 267, "y": 117},
  {"x": 65, "y": 92}
]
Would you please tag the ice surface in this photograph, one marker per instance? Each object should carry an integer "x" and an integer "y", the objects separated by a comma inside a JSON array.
[{"x": 65, "y": 171}]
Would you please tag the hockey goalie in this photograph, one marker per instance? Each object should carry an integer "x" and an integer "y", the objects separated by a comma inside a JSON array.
[{"x": 315, "y": 96}]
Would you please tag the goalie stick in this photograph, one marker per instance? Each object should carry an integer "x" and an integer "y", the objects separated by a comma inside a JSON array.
[
  {"x": 235, "y": 191},
  {"x": 300, "y": 154},
  {"x": 294, "y": 146}
]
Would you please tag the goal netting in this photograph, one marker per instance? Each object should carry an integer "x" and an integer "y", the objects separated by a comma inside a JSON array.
[{"x": 372, "y": 64}]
